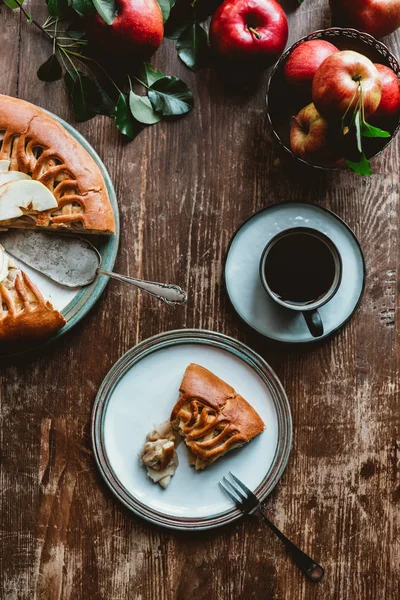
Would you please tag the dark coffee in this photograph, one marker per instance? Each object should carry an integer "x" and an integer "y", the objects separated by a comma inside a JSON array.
[{"x": 299, "y": 268}]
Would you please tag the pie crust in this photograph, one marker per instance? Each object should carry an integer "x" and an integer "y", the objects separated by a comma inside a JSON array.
[
  {"x": 211, "y": 417},
  {"x": 36, "y": 144},
  {"x": 25, "y": 316}
]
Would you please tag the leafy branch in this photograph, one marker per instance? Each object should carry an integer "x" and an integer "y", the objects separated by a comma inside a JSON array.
[{"x": 165, "y": 97}]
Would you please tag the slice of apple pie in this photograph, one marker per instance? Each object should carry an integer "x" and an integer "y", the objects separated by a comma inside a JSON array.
[
  {"x": 47, "y": 179},
  {"x": 211, "y": 417},
  {"x": 25, "y": 316}
]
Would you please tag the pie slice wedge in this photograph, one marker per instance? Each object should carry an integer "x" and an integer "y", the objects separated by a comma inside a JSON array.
[
  {"x": 26, "y": 318},
  {"x": 212, "y": 417},
  {"x": 34, "y": 144}
]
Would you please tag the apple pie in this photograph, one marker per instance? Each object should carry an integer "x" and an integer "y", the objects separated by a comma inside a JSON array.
[
  {"x": 47, "y": 179},
  {"x": 212, "y": 417},
  {"x": 25, "y": 316}
]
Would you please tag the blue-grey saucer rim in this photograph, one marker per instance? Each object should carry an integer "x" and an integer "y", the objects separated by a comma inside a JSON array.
[{"x": 297, "y": 342}]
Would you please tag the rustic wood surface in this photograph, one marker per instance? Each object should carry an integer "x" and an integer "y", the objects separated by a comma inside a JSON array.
[{"x": 183, "y": 189}]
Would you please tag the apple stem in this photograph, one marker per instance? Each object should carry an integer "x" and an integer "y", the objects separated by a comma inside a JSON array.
[{"x": 254, "y": 32}]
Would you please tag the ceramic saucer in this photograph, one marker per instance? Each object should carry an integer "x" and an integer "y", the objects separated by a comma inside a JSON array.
[{"x": 243, "y": 284}]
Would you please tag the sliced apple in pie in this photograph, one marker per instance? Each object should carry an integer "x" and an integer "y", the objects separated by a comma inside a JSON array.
[
  {"x": 36, "y": 149},
  {"x": 212, "y": 417},
  {"x": 25, "y": 316}
]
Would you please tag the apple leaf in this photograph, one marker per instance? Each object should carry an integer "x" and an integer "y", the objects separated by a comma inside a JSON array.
[
  {"x": 148, "y": 75},
  {"x": 165, "y": 9},
  {"x": 142, "y": 109},
  {"x": 362, "y": 167},
  {"x": 106, "y": 9},
  {"x": 125, "y": 122},
  {"x": 83, "y": 7},
  {"x": 74, "y": 34},
  {"x": 370, "y": 131},
  {"x": 166, "y": 6},
  {"x": 171, "y": 96},
  {"x": 85, "y": 95},
  {"x": 106, "y": 105},
  {"x": 192, "y": 46},
  {"x": 173, "y": 32},
  {"x": 57, "y": 8},
  {"x": 50, "y": 70},
  {"x": 12, "y": 4},
  {"x": 97, "y": 101}
]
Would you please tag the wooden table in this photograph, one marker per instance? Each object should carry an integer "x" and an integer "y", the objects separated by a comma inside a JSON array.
[{"x": 183, "y": 189}]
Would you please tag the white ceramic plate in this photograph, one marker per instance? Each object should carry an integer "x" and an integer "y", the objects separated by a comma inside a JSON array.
[{"x": 142, "y": 388}]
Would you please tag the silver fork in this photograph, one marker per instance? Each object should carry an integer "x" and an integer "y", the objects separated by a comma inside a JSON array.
[{"x": 249, "y": 504}]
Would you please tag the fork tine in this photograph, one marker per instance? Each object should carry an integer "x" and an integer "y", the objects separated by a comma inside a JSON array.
[
  {"x": 237, "y": 491},
  {"x": 231, "y": 496},
  {"x": 241, "y": 484}
]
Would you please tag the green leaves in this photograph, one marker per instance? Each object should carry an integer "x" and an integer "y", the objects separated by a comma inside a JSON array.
[
  {"x": 124, "y": 119},
  {"x": 166, "y": 6},
  {"x": 106, "y": 9},
  {"x": 142, "y": 110},
  {"x": 74, "y": 34},
  {"x": 83, "y": 7},
  {"x": 362, "y": 129},
  {"x": 88, "y": 97},
  {"x": 192, "y": 46},
  {"x": 170, "y": 96},
  {"x": 57, "y": 8},
  {"x": 12, "y": 4},
  {"x": 148, "y": 75},
  {"x": 362, "y": 167},
  {"x": 369, "y": 131},
  {"x": 84, "y": 94},
  {"x": 167, "y": 96},
  {"x": 50, "y": 70}
]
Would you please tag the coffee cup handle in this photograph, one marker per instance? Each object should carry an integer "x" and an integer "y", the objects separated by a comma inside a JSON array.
[{"x": 314, "y": 322}]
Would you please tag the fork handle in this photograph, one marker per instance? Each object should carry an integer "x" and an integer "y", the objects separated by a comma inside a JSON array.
[{"x": 310, "y": 567}]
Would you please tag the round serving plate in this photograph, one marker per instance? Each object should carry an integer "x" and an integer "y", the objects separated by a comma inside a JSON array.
[
  {"x": 142, "y": 388},
  {"x": 282, "y": 103},
  {"x": 75, "y": 303}
]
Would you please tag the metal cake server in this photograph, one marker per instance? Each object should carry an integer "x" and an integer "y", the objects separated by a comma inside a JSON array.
[{"x": 74, "y": 262}]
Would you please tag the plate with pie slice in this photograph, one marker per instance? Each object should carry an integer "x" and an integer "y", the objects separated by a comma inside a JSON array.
[
  {"x": 176, "y": 413},
  {"x": 50, "y": 179}
]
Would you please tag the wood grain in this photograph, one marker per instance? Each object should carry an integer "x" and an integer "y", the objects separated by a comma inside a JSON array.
[{"x": 183, "y": 189}]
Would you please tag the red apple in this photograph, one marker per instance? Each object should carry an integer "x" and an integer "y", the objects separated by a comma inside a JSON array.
[
  {"x": 338, "y": 83},
  {"x": 249, "y": 33},
  {"x": 310, "y": 138},
  {"x": 304, "y": 61},
  {"x": 388, "y": 110},
  {"x": 136, "y": 32},
  {"x": 377, "y": 17}
]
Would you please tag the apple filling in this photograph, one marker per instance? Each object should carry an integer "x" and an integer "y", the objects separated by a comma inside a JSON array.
[
  {"x": 8, "y": 274},
  {"x": 26, "y": 202},
  {"x": 159, "y": 455}
]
